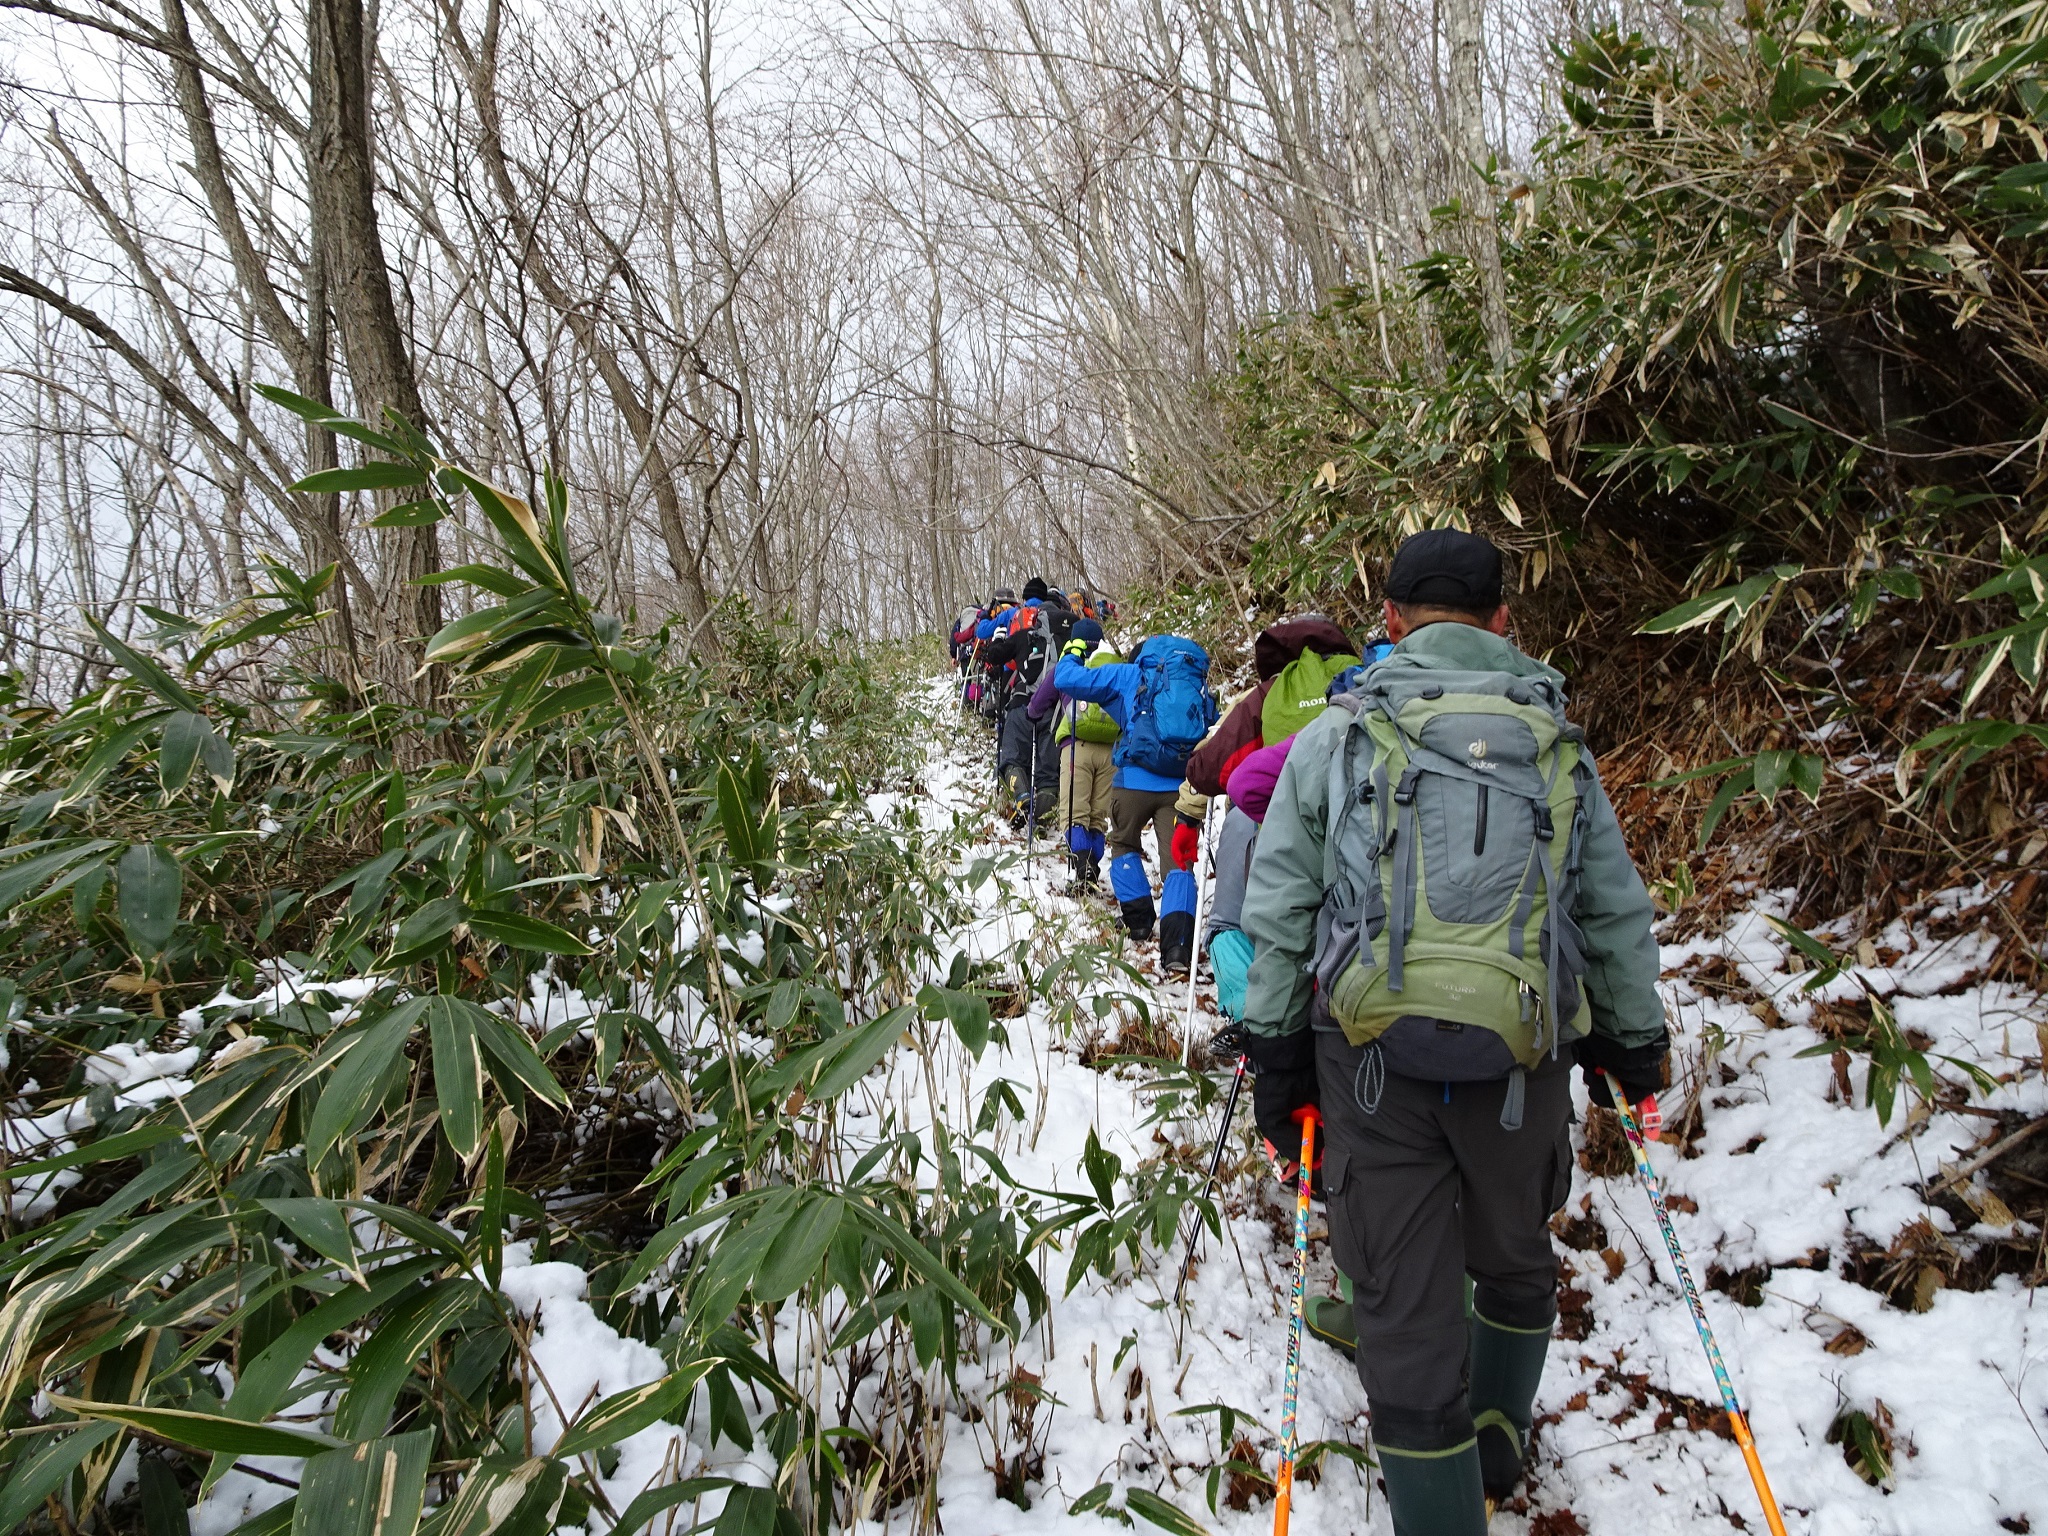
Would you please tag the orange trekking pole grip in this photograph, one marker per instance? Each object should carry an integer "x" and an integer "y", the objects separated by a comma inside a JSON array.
[{"x": 1290, "y": 1437}]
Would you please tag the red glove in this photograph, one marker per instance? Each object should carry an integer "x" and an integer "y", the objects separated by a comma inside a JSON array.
[{"x": 1187, "y": 841}]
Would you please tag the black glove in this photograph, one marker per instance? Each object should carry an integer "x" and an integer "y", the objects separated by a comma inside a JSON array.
[
  {"x": 1641, "y": 1069},
  {"x": 1283, "y": 1080}
]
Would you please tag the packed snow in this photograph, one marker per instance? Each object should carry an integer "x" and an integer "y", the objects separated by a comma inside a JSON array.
[{"x": 1782, "y": 1176}]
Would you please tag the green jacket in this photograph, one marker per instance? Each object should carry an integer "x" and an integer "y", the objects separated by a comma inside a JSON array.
[{"x": 1285, "y": 889}]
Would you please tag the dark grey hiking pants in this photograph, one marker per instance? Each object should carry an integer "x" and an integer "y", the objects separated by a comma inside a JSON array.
[{"x": 1424, "y": 1190}]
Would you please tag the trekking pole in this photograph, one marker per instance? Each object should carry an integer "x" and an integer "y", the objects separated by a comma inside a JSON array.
[
  {"x": 1204, "y": 864},
  {"x": 1031, "y": 805},
  {"x": 1290, "y": 1436},
  {"x": 1226, "y": 1039},
  {"x": 1736, "y": 1419}
]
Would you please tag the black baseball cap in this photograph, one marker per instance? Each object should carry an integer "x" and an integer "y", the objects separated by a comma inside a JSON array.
[{"x": 1446, "y": 568}]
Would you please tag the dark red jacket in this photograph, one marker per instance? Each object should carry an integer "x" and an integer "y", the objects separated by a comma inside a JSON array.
[{"x": 1277, "y": 645}]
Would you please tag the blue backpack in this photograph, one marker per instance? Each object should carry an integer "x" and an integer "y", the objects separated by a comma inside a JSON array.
[{"x": 1173, "y": 710}]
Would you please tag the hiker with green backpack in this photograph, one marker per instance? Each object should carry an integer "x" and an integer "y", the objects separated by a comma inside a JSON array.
[
  {"x": 1444, "y": 916},
  {"x": 1085, "y": 737}
]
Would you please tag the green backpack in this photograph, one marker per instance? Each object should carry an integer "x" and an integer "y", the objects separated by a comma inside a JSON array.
[
  {"x": 1298, "y": 694},
  {"x": 1451, "y": 867},
  {"x": 1093, "y": 722}
]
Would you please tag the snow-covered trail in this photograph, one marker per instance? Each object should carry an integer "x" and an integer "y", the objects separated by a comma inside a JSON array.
[{"x": 1783, "y": 1183}]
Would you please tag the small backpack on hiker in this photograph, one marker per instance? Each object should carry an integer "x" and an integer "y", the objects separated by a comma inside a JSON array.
[
  {"x": 1457, "y": 817},
  {"x": 1299, "y": 693},
  {"x": 1174, "y": 708}
]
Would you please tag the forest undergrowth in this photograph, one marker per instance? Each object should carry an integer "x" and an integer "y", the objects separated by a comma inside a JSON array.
[{"x": 323, "y": 1015}]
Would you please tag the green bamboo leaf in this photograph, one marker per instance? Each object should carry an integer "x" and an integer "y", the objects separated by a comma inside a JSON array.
[
  {"x": 1809, "y": 772},
  {"x": 19, "y": 879},
  {"x": 357, "y": 1084},
  {"x": 1148, "y": 1506},
  {"x": 410, "y": 514},
  {"x": 504, "y": 1497},
  {"x": 571, "y": 699},
  {"x": 1728, "y": 308},
  {"x": 321, "y": 1225},
  {"x": 370, "y": 880},
  {"x": 727, "y": 1268},
  {"x": 835, "y": 1064},
  {"x": 513, "y": 648},
  {"x": 1094, "y": 1500},
  {"x": 106, "y": 1149},
  {"x": 629, "y": 1412},
  {"x": 200, "y": 1431},
  {"x": 163, "y": 1501},
  {"x": 178, "y": 753},
  {"x": 378, "y": 475},
  {"x": 508, "y": 1047},
  {"x": 274, "y": 1521},
  {"x": 313, "y": 411},
  {"x": 381, "y": 1368},
  {"x": 800, "y": 1247},
  {"x": 1728, "y": 794},
  {"x": 43, "y": 1470},
  {"x": 279, "y": 621},
  {"x": 516, "y": 930},
  {"x": 515, "y": 523},
  {"x": 458, "y": 1074},
  {"x": 108, "y": 755},
  {"x": 149, "y": 673},
  {"x": 464, "y": 634},
  {"x": 748, "y": 1511},
  {"x": 897, "y": 1239},
  {"x": 641, "y": 1512},
  {"x": 735, "y": 817},
  {"x": 264, "y": 1381},
  {"x": 218, "y": 754},
  {"x": 968, "y": 1012},
  {"x": 327, "y": 417},
  {"x": 425, "y": 929},
  {"x": 372, "y": 1489},
  {"x": 149, "y": 889},
  {"x": 1773, "y": 770}
]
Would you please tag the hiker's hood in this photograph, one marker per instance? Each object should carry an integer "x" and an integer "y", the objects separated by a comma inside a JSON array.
[
  {"x": 1467, "y": 648},
  {"x": 1278, "y": 644}
]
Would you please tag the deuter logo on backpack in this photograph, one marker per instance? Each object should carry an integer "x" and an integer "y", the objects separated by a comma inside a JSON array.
[{"x": 1173, "y": 709}]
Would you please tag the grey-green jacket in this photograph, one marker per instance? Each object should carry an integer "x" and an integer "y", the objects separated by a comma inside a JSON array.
[{"x": 1285, "y": 889}]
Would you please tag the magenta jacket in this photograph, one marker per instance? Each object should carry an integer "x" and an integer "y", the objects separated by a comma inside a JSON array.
[{"x": 1251, "y": 783}]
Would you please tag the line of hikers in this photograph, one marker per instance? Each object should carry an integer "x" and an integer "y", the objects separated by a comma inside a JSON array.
[{"x": 1424, "y": 913}]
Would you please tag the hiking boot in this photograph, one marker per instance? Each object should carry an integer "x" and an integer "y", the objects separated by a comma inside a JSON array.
[
  {"x": 1507, "y": 1365},
  {"x": 1133, "y": 889},
  {"x": 1331, "y": 1319},
  {"x": 1177, "y": 923},
  {"x": 1432, "y": 1489}
]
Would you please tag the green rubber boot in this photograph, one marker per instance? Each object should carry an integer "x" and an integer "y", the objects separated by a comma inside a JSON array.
[
  {"x": 1507, "y": 1364},
  {"x": 1331, "y": 1319},
  {"x": 1435, "y": 1493}
]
